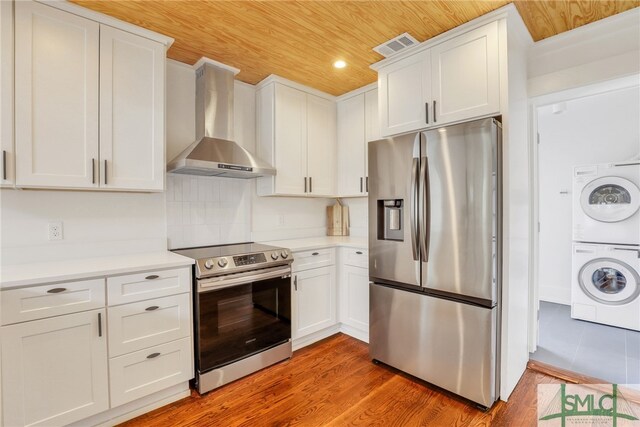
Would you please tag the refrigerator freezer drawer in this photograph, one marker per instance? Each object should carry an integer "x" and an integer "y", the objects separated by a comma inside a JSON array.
[{"x": 446, "y": 343}]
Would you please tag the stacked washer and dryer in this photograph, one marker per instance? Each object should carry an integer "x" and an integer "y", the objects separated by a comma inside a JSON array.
[{"x": 605, "y": 286}]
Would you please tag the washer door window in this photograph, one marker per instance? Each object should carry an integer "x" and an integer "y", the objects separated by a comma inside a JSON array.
[
  {"x": 609, "y": 281},
  {"x": 610, "y": 199}
]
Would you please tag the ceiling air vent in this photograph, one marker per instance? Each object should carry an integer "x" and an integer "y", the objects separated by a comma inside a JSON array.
[{"x": 395, "y": 45}]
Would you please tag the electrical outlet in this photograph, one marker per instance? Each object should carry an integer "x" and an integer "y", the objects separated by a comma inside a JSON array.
[{"x": 55, "y": 230}]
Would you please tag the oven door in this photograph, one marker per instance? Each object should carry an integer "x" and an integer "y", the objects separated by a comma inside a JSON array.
[{"x": 240, "y": 315}]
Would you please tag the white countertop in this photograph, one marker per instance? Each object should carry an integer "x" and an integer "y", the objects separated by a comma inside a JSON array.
[
  {"x": 321, "y": 242},
  {"x": 21, "y": 275}
]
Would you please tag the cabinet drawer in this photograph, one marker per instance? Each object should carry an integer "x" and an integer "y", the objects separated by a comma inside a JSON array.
[
  {"x": 313, "y": 259},
  {"x": 144, "y": 324},
  {"x": 152, "y": 284},
  {"x": 356, "y": 257},
  {"x": 38, "y": 302},
  {"x": 139, "y": 374}
]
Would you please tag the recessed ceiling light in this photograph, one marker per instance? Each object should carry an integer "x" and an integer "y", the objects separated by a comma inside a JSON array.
[{"x": 340, "y": 64}]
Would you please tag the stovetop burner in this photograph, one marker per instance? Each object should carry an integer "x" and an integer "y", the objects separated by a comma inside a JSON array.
[{"x": 234, "y": 258}]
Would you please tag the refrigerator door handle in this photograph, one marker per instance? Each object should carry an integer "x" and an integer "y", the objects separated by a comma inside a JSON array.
[
  {"x": 425, "y": 209},
  {"x": 414, "y": 208}
]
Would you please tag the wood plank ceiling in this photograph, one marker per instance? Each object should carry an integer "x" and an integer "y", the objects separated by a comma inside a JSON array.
[{"x": 300, "y": 40}]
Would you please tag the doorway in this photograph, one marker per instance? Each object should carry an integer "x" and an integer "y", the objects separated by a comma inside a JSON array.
[{"x": 595, "y": 125}]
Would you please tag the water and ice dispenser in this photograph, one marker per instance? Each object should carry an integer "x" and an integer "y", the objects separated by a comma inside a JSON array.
[{"x": 390, "y": 222}]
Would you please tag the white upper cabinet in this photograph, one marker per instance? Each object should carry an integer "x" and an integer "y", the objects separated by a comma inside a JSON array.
[
  {"x": 56, "y": 97},
  {"x": 465, "y": 76},
  {"x": 89, "y": 103},
  {"x": 405, "y": 91},
  {"x": 351, "y": 146},
  {"x": 131, "y": 111},
  {"x": 291, "y": 139},
  {"x": 372, "y": 116},
  {"x": 357, "y": 125},
  {"x": 7, "y": 153},
  {"x": 455, "y": 80},
  {"x": 321, "y": 146},
  {"x": 296, "y": 133}
]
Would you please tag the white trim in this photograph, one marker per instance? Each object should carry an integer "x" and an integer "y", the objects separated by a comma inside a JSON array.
[
  {"x": 503, "y": 12},
  {"x": 356, "y": 92},
  {"x": 128, "y": 411},
  {"x": 306, "y": 340},
  {"x": 355, "y": 333},
  {"x": 281, "y": 80},
  {"x": 108, "y": 20},
  {"x": 534, "y": 104},
  {"x": 204, "y": 60}
]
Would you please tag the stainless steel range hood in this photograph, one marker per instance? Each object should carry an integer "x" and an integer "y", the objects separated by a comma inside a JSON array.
[{"x": 214, "y": 153}]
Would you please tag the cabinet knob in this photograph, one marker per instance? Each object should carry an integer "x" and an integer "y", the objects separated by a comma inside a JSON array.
[
  {"x": 315, "y": 253},
  {"x": 152, "y": 277},
  {"x": 56, "y": 290},
  {"x": 153, "y": 355},
  {"x": 359, "y": 252},
  {"x": 153, "y": 307}
]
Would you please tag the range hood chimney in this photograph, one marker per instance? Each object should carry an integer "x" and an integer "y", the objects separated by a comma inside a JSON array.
[{"x": 214, "y": 153}]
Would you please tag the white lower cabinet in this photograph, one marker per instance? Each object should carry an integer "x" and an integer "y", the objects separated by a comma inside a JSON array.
[
  {"x": 147, "y": 371},
  {"x": 354, "y": 298},
  {"x": 54, "y": 371},
  {"x": 72, "y": 351},
  {"x": 354, "y": 292},
  {"x": 314, "y": 300},
  {"x": 313, "y": 296}
]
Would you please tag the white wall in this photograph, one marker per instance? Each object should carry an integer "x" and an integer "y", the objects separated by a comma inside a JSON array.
[
  {"x": 600, "y": 128},
  {"x": 226, "y": 210},
  {"x": 94, "y": 224},
  {"x": 600, "y": 51},
  {"x": 358, "y": 216}
]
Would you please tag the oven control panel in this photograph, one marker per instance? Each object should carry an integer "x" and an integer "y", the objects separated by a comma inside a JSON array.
[
  {"x": 236, "y": 263},
  {"x": 249, "y": 259}
]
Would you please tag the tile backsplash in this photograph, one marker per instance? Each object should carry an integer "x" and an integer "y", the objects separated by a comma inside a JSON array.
[{"x": 207, "y": 210}]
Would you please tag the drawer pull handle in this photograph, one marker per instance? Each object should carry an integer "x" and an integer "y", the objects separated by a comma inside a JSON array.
[
  {"x": 152, "y": 277},
  {"x": 359, "y": 252},
  {"x": 99, "y": 324},
  {"x": 153, "y": 355},
  {"x": 315, "y": 253},
  {"x": 56, "y": 290},
  {"x": 153, "y": 307}
]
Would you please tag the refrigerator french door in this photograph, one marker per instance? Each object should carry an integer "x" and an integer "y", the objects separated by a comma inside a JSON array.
[{"x": 434, "y": 233}]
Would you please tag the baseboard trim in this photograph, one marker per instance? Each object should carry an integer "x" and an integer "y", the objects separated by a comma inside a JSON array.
[{"x": 563, "y": 374}]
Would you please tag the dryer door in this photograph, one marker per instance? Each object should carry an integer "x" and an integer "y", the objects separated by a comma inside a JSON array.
[
  {"x": 609, "y": 281},
  {"x": 610, "y": 199}
]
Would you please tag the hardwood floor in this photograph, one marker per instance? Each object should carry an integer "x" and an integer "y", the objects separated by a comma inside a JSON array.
[{"x": 334, "y": 383}]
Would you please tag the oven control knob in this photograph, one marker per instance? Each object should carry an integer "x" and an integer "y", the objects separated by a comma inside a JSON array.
[
  {"x": 223, "y": 262},
  {"x": 208, "y": 264},
  {"x": 274, "y": 256},
  {"x": 284, "y": 254}
]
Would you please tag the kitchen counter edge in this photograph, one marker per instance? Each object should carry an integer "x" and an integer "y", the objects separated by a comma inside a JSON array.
[
  {"x": 303, "y": 244},
  {"x": 32, "y": 274}
]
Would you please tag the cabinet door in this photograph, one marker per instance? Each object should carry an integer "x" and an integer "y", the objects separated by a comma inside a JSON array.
[
  {"x": 351, "y": 146},
  {"x": 354, "y": 297},
  {"x": 314, "y": 301},
  {"x": 321, "y": 146},
  {"x": 56, "y": 97},
  {"x": 405, "y": 91},
  {"x": 466, "y": 76},
  {"x": 131, "y": 111},
  {"x": 290, "y": 140},
  {"x": 7, "y": 154},
  {"x": 54, "y": 371},
  {"x": 372, "y": 128}
]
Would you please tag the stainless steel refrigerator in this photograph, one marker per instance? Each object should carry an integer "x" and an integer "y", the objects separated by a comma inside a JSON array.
[{"x": 434, "y": 251}]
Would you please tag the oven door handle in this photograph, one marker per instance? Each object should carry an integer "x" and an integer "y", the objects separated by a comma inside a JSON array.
[{"x": 217, "y": 283}]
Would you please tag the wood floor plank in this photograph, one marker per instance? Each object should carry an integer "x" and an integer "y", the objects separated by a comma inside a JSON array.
[{"x": 334, "y": 383}]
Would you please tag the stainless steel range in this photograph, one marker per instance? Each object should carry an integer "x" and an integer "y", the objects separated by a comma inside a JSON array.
[{"x": 242, "y": 310}]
